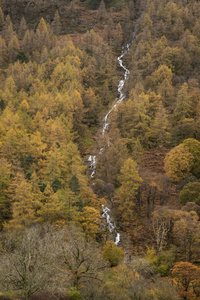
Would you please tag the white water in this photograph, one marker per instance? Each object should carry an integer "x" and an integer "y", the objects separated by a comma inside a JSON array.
[
  {"x": 92, "y": 163},
  {"x": 120, "y": 87},
  {"x": 93, "y": 159}
]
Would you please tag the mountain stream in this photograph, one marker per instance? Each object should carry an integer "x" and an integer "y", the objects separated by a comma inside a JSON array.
[{"x": 92, "y": 160}]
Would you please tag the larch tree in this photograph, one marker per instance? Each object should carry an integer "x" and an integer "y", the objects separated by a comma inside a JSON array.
[
  {"x": 52, "y": 208},
  {"x": 101, "y": 13},
  {"x": 162, "y": 73},
  {"x": 130, "y": 182},
  {"x": 13, "y": 48},
  {"x": 3, "y": 52},
  {"x": 42, "y": 36},
  {"x": 22, "y": 28},
  {"x": 27, "y": 42},
  {"x": 183, "y": 104},
  {"x": 22, "y": 200},
  {"x": 2, "y": 21},
  {"x": 5, "y": 181},
  {"x": 8, "y": 31},
  {"x": 196, "y": 29},
  {"x": 159, "y": 131},
  {"x": 90, "y": 219},
  {"x": 56, "y": 24}
]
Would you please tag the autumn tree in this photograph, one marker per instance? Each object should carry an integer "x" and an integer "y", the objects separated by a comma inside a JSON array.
[
  {"x": 5, "y": 181},
  {"x": 51, "y": 208},
  {"x": 112, "y": 253},
  {"x": 101, "y": 13},
  {"x": 89, "y": 220},
  {"x": 42, "y": 36},
  {"x": 190, "y": 193},
  {"x": 22, "y": 28},
  {"x": 2, "y": 21},
  {"x": 178, "y": 162},
  {"x": 130, "y": 182},
  {"x": 194, "y": 148},
  {"x": 22, "y": 203},
  {"x": 186, "y": 275},
  {"x": 27, "y": 42},
  {"x": 160, "y": 128},
  {"x": 8, "y": 31},
  {"x": 56, "y": 24},
  {"x": 13, "y": 48},
  {"x": 183, "y": 104},
  {"x": 186, "y": 229},
  {"x": 112, "y": 158},
  {"x": 3, "y": 52}
]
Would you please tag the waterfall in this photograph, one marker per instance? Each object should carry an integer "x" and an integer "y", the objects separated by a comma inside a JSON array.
[{"x": 92, "y": 160}]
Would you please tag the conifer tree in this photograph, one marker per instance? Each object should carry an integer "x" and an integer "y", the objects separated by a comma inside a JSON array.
[
  {"x": 8, "y": 31},
  {"x": 23, "y": 213},
  {"x": 42, "y": 36},
  {"x": 22, "y": 28},
  {"x": 130, "y": 181},
  {"x": 74, "y": 185},
  {"x": 196, "y": 30},
  {"x": 27, "y": 42},
  {"x": 183, "y": 104},
  {"x": 2, "y": 22},
  {"x": 101, "y": 13},
  {"x": 44, "y": 55},
  {"x": 3, "y": 52},
  {"x": 13, "y": 48},
  {"x": 56, "y": 24},
  {"x": 160, "y": 127},
  {"x": 5, "y": 181}
]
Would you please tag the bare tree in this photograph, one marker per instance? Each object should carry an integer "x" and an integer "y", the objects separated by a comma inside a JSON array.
[
  {"x": 48, "y": 259},
  {"x": 82, "y": 259},
  {"x": 160, "y": 228},
  {"x": 28, "y": 261}
]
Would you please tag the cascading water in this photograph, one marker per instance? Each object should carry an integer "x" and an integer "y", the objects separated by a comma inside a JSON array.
[{"x": 93, "y": 159}]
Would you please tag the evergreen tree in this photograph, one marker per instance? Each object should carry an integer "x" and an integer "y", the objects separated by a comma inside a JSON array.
[{"x": 74, "y": 185}]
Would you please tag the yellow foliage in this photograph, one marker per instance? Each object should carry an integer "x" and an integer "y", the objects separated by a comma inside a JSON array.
[
  {"x": 178, "y": 162},
  {"x": 90, "y": 220}
]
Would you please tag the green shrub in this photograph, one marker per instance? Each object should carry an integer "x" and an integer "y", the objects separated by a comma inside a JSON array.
[
  {"x": 74, "y": 294},
  {"x": 190, "y": 193},
  {"x": 22, "y": 57},
  {"x": 113, "y": 254}
]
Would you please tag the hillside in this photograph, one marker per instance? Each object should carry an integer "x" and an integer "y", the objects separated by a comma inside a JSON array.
[{"x": 99, "y": 149}]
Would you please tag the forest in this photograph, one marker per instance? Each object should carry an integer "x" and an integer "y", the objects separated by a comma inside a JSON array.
[{"x": 59, "y": 77}]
